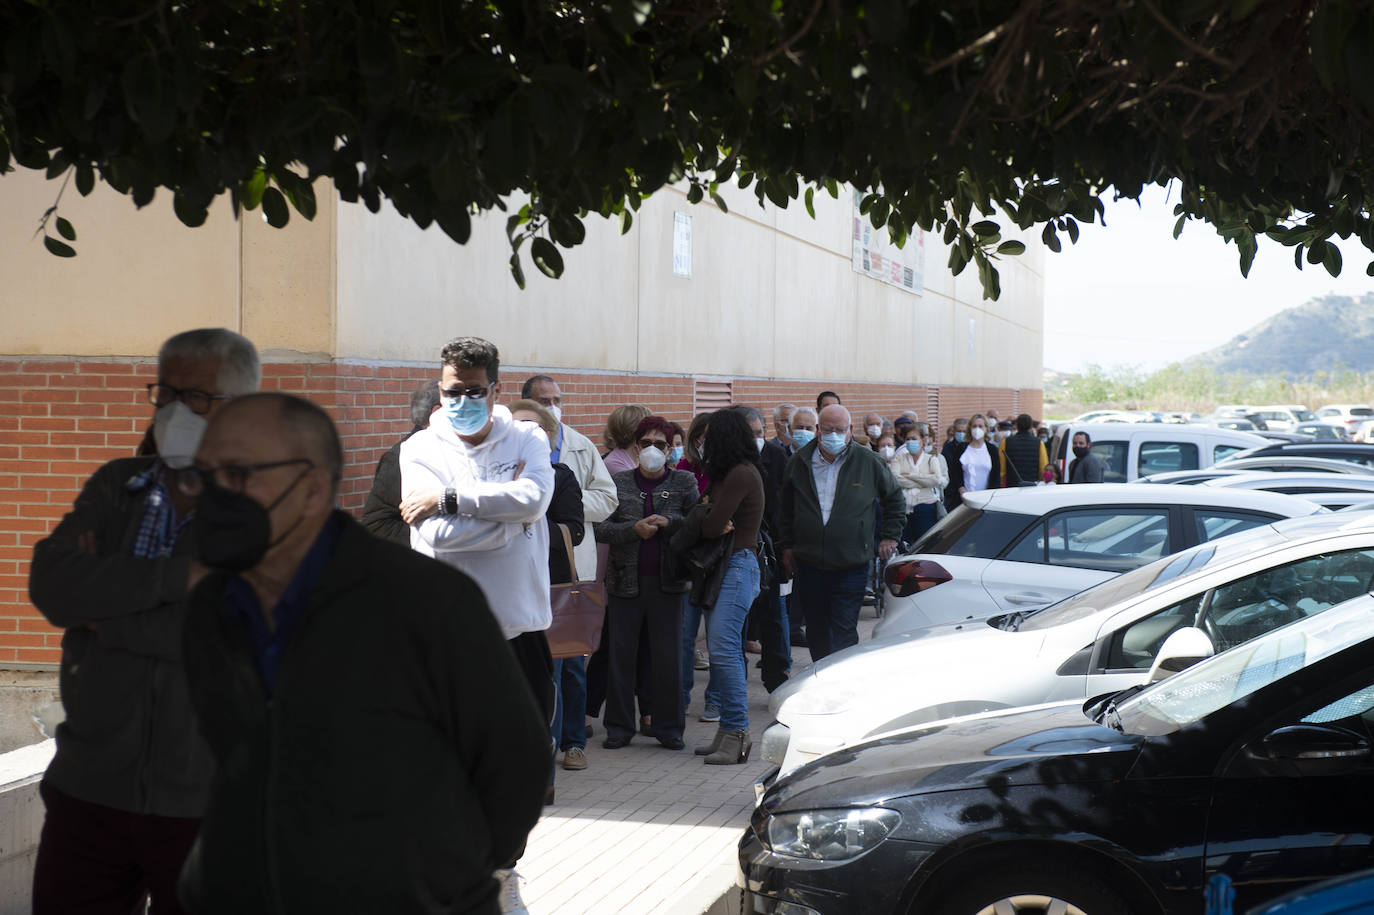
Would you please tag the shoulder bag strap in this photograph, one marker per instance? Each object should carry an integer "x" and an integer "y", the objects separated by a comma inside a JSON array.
[{"x": 568, "y": 545}]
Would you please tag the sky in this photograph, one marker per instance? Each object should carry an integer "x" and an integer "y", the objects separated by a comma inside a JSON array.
[{"x": 1128, "y": 294}]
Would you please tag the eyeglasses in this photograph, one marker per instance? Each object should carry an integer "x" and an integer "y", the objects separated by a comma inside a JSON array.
[
  {"x": 837, "y": 430},
  {"x": 474, "y": 393},
  {"x": 650, "y": 443},
  {"x": 193, "y": 481},
  {"x": 160, "y": 395}
]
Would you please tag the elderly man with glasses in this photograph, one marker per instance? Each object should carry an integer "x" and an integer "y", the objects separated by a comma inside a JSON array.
[{"x": 130, "y": 778}]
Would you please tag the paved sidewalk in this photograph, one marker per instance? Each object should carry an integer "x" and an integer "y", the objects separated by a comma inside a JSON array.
[{"x": 644, "y": 829}]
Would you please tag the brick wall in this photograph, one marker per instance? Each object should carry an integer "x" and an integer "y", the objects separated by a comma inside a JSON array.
[{"x": 60, "y": 419}]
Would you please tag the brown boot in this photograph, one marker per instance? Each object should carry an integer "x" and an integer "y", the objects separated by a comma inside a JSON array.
[
  {"x": 713, "y": 746},
  {"x": 734, "y": 749}
]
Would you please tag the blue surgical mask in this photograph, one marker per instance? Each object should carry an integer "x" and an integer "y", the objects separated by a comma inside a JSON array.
[
  {"x": 802, "y": 437},
  {"x": 959, "y": 436},
  {"x": 833, "y": 442},
  {"x": 913, "y": 447},
  {"x": 467, "y": 416},
  {"x": 675, "y": 456}
]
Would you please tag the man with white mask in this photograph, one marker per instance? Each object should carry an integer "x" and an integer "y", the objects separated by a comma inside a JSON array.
[
  {"x": 475, "y": 485},
  {"x": 826, "y": 524},
  {"x": 128, "y": 784}
]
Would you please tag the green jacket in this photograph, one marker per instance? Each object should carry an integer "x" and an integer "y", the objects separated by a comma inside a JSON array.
[{"x": 847, "y": 540}]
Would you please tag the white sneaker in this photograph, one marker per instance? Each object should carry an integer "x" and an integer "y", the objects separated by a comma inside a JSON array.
[{"x": 509, "y": 899}]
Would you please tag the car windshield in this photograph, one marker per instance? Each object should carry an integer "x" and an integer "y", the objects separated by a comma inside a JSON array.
[
  {"x": 1304, "y": 416},
  {"x": 1217, "y": 682},
  {"x": 1137, "y": 581}
]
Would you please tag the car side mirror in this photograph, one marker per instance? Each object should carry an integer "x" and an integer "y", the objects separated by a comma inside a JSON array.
[{"x": 1182, "y": 649}]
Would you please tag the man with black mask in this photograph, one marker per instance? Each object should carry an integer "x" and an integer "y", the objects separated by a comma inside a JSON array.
[
  {"x": 129, "y": 781},
  {"x": 378, "y": 748},
  {"x": 1086, "y": 467}
]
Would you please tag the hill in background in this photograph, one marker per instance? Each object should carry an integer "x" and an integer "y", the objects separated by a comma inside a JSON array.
[{"x": 1321, "y": 335}]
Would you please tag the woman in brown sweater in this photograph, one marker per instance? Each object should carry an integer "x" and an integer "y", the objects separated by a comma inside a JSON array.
[{"x": 735, "y": 500}]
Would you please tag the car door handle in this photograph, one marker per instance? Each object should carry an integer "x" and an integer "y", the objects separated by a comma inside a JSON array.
[{"x": 1028, "y": 599}]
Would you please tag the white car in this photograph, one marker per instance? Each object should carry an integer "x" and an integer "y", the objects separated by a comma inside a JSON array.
[
  {"x": 1349, "y": 415},
  {"x": 1104, "y": 639},
  {"x": 1023, "y": 548},
  {"x": 1283, "y": 417},
  {"x": 1305, "y": 484},
  {"x": 1129, "y": 451}
]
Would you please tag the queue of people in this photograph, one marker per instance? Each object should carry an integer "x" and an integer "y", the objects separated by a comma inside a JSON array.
[{"x": 215, "y": 600}]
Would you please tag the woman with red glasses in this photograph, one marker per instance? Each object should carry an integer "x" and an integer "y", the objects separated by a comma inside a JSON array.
[{"x": 645, "y": 592}]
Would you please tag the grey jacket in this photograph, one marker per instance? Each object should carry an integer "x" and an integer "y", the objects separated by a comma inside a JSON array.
[
  {"x": 672, "y": 498},
  {"x": 1087, "y": 469},
  {"x": 129, "y": 741}
]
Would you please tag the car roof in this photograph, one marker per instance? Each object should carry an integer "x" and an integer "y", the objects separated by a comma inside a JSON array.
[
  {"x": 1179, "y": 431},
  {"x": 1037, "y": 500},
  {"x": 1304, "y": 462},
  {"x": 1314, "y": 449},
  {"x": 1317, "y": 481}
]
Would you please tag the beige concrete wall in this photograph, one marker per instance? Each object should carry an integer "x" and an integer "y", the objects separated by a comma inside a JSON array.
[
  {"x": 772, "y": 293},
  {"x": 140, "y": 275}
]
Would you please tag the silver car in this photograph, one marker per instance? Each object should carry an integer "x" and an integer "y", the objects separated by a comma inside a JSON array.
[{"x": 1107, "y": 638}]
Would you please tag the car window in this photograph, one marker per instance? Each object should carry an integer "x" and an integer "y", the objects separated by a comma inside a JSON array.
[
  {"x": 1211, "y": 523},
  {"x": 1329, "y": 411},
  {"x": 1112, "y": 539},
  {"x": 1360, "y": 411},
  {"x": 1113, "y": 457},
  {"x": 1251, "y": 606},
  {"x": 1030, "y": 548},
  {"x": 1360, "y": 702},
  {"x": 973, "y": 532},
  {"x": 1134, "y": 647},
  {"x": 1162, "y": 457},
  {"x": 1304, "y": 416},
  {"x": 1221, "y": 451}
]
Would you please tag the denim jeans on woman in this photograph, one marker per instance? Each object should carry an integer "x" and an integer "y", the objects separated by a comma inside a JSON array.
[
  {"x": 691, "y": 621},
  {"x": 725, "y": 638}
]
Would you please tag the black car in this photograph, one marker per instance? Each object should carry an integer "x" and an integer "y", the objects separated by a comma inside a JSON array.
[
  {"x": 1354, "y": 452},
  {"x": 1255, "y": 764}
]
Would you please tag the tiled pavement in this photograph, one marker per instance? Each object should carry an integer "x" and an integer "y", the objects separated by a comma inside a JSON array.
[{"x": 644, "y": 829}]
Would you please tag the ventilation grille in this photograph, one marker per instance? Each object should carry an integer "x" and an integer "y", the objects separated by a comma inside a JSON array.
[
  {"x": 1016, "y": 403},
  {"x": 933, "y": 412},
  {"x": 709, "y": 395}
]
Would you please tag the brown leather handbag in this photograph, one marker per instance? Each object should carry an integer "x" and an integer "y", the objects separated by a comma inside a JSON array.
[{"x": 579, "y": 608}]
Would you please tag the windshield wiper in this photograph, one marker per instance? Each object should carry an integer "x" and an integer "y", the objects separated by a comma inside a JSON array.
[
  {"x": 1111, "y": 717},
  {"x": 1012, "y": 621}
]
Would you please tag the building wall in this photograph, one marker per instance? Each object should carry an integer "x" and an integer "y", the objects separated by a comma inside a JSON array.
[{"x": 352, "y": 309}]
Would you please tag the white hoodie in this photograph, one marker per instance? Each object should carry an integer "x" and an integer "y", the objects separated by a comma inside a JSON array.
[{"x": 498, "y": 537}]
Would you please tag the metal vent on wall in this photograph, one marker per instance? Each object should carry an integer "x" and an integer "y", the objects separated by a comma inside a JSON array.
[
  {"x": 933, "y": 411},
  {"x": 1016, "y": 402},
  {"x": 708, "y": 395}
]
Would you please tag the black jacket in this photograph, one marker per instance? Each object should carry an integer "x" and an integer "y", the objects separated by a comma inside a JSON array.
[
  {"x": 772, "y": 464},
  {"x": 673, "y": 498},
  {"x": 952, "y": 452},
  {"x": 865, "y": 487},
  {"x": 382, "y": 513},
  {"x": 565, "y": 508},
  {"x": 400, "y": 760}
]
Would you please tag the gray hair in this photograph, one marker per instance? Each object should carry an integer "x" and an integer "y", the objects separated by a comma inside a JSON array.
[
  {"x": 808, "y": 410},
  {"x": 240, "y": 372},
  {"x": 749, "y": 413},
  {"x": 423, "y": 402},
  {"x": 782, "y": 410}
]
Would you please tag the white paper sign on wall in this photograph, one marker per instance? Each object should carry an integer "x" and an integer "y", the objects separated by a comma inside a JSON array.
[{"x": 682, "y": 244}]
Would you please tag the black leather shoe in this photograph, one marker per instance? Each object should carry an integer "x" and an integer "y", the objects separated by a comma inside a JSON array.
[
  {"x": 671, "y": 743},
  {"x": 615, "y": 743}
]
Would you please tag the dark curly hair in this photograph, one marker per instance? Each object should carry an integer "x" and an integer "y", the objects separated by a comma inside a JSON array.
[{"x": 729, "y": 441}]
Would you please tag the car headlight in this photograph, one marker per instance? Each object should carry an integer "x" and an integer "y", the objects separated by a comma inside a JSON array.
[
  {"x": 829, "y": 835},
  {"x": 823, "y": 699}
]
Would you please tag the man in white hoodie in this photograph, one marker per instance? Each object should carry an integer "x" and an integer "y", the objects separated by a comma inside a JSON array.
[{"x": 476, "y": 485}]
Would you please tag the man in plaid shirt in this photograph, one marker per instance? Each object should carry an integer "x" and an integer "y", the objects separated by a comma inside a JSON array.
[{"x": 128, "y": 784}]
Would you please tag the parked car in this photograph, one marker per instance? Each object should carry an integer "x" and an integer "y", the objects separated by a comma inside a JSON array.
[
  {"x": 1349, "y": 415},
  {"x": 1323, "y": 431},
  {"x": 1353, "y": 451},
  {"x": 1018, "y": 549},
  {"x": 1307, "y": 484},
  {"x": 1254, "y": 764},
  {"x": 1352, "y": 894},
  {"x": 1289, "y": 463},
  {"x": 1283, "y": 417},
  {"x": 1238, "y": 424},
  {"x": 1132, "y": 450},
  {"x": 1102, "y": 639}
]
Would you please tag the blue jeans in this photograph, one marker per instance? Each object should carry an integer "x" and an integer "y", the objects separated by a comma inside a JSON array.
[
  {"x": 830, "y": 600},
  {"x": 725, "y": 638},
  {"x": 921, "y": 519},
  {"x": 570, "y": 676},
  {"x": 691, "y": 621}
]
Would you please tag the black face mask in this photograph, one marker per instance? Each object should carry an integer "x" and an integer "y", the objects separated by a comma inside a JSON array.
[
  {"x": 232, "y": 531},
  {"x": 1080, "y": 450}
]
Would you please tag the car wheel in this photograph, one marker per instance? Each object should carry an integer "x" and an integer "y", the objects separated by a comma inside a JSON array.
[{"x": 1030, "y": 891}]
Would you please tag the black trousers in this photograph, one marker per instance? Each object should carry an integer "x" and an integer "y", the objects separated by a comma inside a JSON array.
[
  {"x": 536, "y": 663},
  {"x": 658, "y": 617},
  {"x": 774, "y": 636}
]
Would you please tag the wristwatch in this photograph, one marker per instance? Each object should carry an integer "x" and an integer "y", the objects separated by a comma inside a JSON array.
[{"x": 450, "y": 503}]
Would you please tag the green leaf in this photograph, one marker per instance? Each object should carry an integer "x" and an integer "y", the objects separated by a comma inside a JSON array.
[
  {"x": 1050, "y": 239},
  {"x": 456, "y": 224},
  {"x": 1178, "y": 226},
  {"x": 65, "y": 229},
  {"x": 300, "y": 193},
  {"x": 1369, "y": 270},
  {"x": 546, "y": 258},
  {"x": 516, "y": 271},
  {"x": 695, "y": 193},
  {"x": 191, "y": 214},
  {"x": 61, "y": 249},
  {"x": 85, "y": 180},
  {"x": 810, "y": 201},
  {"x": 251, "y": 190},
  {"x": 1011, "y": 247},
  {"x": 1297, "y": 256},
  {"x": 1072, "y": 225},
  {"x": 274, "y": 208},
  {"x": 720, "y": 202},
  {"x": 626, "y": 220},
  {"x": 1331, "y": 259},
  {"x": 985, "y": 227}
]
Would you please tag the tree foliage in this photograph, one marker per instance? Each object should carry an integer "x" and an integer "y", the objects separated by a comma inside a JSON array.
[{"x": 950, "y": 113}]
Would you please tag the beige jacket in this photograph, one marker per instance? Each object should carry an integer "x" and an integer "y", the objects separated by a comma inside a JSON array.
[
  {"x": 922, "y": 476},
  {"x": 598, "y": 493}
]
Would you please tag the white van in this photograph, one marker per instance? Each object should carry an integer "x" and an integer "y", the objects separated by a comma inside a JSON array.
[
  {"x": 1134, "y": 450},
  {"x": 1279, "y": 417}
]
